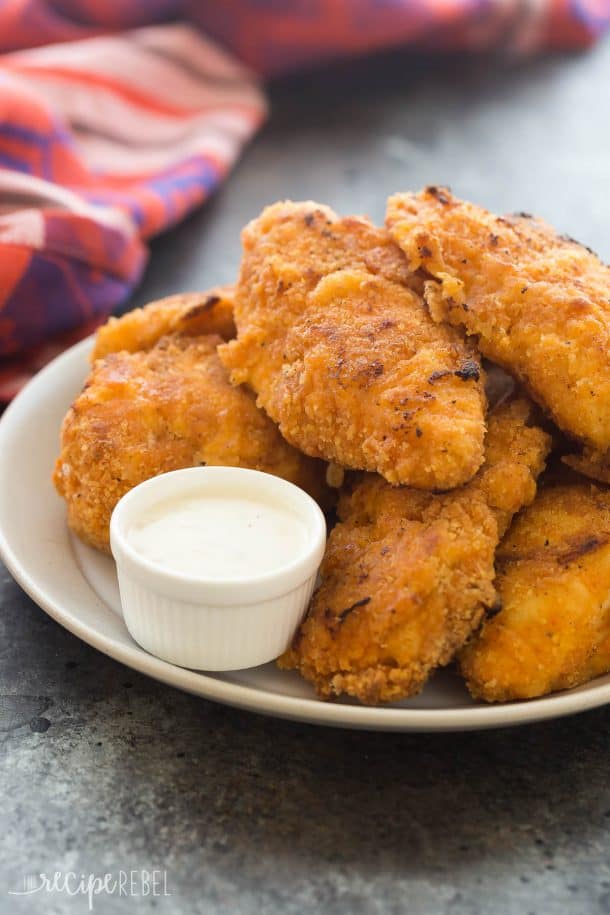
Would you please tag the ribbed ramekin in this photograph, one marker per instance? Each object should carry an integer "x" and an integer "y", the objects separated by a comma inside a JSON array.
[{"x": 214, "y": 624}]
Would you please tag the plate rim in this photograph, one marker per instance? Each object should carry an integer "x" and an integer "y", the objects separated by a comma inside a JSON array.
[{"x": 312, "y": 711}]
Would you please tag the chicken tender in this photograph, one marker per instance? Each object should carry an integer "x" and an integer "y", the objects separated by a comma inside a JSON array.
[
  {"x": 190, "y": 313},
  {"x": 537, "y": 302},
  {"x": 408, "y": 575},
  {"x": 344, "y": 356},
  {"x": 553, "y": 628},
  {"x": 590, "y": 463},
  {"x": 144, "y": 413}
]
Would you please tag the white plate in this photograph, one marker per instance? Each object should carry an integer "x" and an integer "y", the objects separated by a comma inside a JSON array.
[{"x": 77, "y": 587}]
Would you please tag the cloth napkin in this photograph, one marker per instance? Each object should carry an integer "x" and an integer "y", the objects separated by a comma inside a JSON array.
[
  {"x": 103, "y": 143},
  {"x": 113, "y": 129}
]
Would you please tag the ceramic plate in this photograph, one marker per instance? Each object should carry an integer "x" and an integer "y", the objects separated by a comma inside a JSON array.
[{"x": 78, "y": 588}]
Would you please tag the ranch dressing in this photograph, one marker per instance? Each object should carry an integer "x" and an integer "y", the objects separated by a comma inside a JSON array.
[{"x": 219, "y": 537}]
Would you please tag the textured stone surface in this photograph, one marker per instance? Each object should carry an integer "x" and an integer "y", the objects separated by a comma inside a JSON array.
[{"x": 103, "y": 770}]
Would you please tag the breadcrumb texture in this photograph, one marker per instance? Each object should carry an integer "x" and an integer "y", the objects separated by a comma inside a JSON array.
[
  {"x": 408, "y": 575},
  {"x": 343, "y": 355},
  {"x": 168, "y": 407},
  {"x": 553, "y": 631},
  {"x": 192, "y": 314},
  {"x": 537, "y": 301}
]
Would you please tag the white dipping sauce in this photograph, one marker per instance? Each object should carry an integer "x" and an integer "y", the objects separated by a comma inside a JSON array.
[{"x": 219, "y": 537}]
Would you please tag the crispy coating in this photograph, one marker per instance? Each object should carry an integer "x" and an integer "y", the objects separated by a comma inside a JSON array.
[
  {"x": 344, "y": 356},
  {"x": 538, "y": 302},
  {"x": 591, "y": 463},
  {"x": 408, "y": 574},
  {"x": 553, "y": 629},
  {"x": 144, "y": 413},
  {"x": 190, "y": 313}
]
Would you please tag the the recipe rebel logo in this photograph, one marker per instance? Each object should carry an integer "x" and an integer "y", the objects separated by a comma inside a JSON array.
[{"x": 132, "y": 883}]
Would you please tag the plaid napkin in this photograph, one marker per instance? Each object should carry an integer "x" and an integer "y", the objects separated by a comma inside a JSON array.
[
  {"x": 112, "y": 129},
  {"x": 103, "y": 143}
]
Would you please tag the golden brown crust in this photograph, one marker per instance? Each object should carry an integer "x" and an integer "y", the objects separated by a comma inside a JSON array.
[
  {"x": 407, "y": 574},
  {"x": 538, "y": 302},
  {"x": 343, "y": 354},
  {"x": 190, "y": 313},
  {"x": 591, "y": 463},
  {"x": 144, "y": 413},
  {"x": 553, "y": 629}
]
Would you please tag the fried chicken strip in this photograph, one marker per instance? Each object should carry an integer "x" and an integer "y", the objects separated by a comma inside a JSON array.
[
  {"x": 537, "y": 301},
  {"x": 171, "y": 406},
  {"x": 553, "y": 629},
  {"x": 344, "y": 356},
  {"x": 590, "y": 463},
  {"x": 190, "y": 313},
  {"x": 408, "y": 575}
]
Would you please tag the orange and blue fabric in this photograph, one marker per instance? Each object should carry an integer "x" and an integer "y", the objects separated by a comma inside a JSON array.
[
  {"x": 104, "y": 142},
  {"x": 117, "y": 118}
]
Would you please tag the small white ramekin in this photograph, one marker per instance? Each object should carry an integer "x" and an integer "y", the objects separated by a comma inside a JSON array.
[{"x": 214, "y": 624}]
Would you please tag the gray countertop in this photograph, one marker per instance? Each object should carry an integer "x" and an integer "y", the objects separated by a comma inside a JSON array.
[{"x": 103, "y": 770}]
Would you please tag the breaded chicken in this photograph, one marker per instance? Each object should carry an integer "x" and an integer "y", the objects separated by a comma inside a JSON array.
[
  {"x": 344, "y": 356},
  {"x": 190, "y": 313},
  {"x": 553, "y": 628},
  {"x": 538, "y": 302},
  {"x": 591, "y": 463},
  {"x": 144, "y": 413},
  {"x": 408, "y": 575}
]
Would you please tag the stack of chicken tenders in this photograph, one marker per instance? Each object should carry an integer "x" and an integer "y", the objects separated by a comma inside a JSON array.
[{"x": 440, "y": 385}]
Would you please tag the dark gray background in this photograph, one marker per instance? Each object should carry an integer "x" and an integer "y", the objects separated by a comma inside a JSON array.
[{"x": 253, "y": 815}]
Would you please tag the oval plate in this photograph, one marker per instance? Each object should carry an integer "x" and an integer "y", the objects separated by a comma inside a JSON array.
[{"x": 77, "y": 587}]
